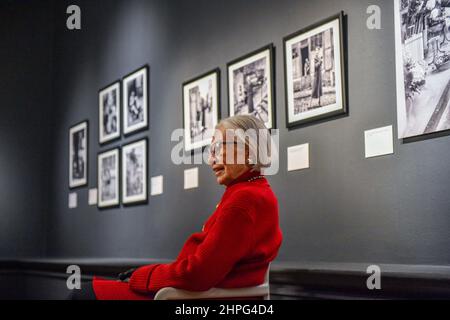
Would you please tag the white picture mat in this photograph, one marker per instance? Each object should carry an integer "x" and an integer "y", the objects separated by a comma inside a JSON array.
[
  {"x": 142, "y": 72},
  {"x": 77, "y": 182},
  {"x": 104, "y": 138},
  {"x": 157, "y": 185},
  {"x": 92, "y": 200},
  {"x": 263, "y": 54},
  {"x": 191, "y": 178},
  {"x": 112, "y": 202},
  {"x": 424, "y": 109},
  {"x": 139, "y": 197},
  {"x": 379, "y": 142},
  {"x": 73, "y": 200},
  {"x": 298, "y": 157},
  {"x": 189, "y": 145},
  {"x": 335, "y": 25}
]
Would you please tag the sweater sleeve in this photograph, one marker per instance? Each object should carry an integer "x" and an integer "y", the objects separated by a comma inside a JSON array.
[{"x": 228, "y": 240}]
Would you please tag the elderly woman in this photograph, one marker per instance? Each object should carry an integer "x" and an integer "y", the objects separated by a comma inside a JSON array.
[{"x": 237, "y": 242}]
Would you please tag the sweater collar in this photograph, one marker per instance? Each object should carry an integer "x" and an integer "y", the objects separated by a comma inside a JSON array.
[{"x": 245, "y": 177}]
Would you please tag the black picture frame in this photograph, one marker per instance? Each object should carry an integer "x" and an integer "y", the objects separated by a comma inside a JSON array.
[
  {"x": 188, "y": 146},
  {"x": 116, "y": 202},
  {"x": 271, "y": 110},
  {"x": 112, "y": 137},
  {"x": 146, "y": 96},
  {"x": 137, "y": 201},
  {"x": 85, "y": 180},
  {"x": 342, "y": 77}
]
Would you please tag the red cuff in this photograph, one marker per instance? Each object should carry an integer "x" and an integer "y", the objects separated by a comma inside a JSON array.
[{"x": 139, "y": 280}]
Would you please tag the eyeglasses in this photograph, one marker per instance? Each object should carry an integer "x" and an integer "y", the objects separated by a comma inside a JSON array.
[{"x": 216, "y": 148}]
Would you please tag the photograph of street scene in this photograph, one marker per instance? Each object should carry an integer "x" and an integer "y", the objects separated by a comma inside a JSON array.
[
  {"x": 313, "y": 72},
  {"x": 423, "y": 66},
  {"x": 250, "y": 85}
]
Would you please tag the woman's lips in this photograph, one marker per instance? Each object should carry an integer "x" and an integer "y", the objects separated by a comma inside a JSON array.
[{"x": 219, "y": 172}]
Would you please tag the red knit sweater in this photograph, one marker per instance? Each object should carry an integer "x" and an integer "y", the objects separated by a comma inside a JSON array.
[{"x": 234, "y": 249}]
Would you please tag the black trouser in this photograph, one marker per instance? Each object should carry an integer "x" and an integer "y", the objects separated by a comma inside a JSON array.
[{"x": 85, "y": 293}]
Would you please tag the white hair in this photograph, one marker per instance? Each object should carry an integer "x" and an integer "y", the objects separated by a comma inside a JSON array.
[{"x": 253, "y": 133}]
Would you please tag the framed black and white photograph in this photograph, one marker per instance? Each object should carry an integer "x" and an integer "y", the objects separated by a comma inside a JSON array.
[
  {"x": 78, "y": 155},
  {"x": 315, "y": 72},
  {"x": 201, "y": 108},
  {"x": 109, "y": 113},
  {"x": 135, "y": 101},
  {"x": 108, "y": 178},
  {"x": 251, "y": 85},
  {"x": 422, "y": 35},
  {"x": 134, "y": 172}
]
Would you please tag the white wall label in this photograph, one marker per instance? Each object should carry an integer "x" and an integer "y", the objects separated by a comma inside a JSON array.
[
  {"x": 73, "y": 200},
  {"x": 92, "y": 197},
  {"x": 379, "y": 142},
  {"x": 191, "y": 178},
  {"x": 298, "y": 157},
  {"x": 156, "y": 185}
]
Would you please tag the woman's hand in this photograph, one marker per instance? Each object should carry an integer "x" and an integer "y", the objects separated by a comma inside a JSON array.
[{"x": 125, "y": 276}]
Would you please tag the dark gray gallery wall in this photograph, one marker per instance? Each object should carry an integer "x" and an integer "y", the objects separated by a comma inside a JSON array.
[
  {"x": 117, "y": 37},
  {"x": 26, "y": 49},
  {"x": 344, "y": 209}
]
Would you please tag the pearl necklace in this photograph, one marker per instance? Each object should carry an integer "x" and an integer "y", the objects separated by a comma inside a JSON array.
[
  {"x": 255, "y": 178},
  {"x": 249, "y": 180}
]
